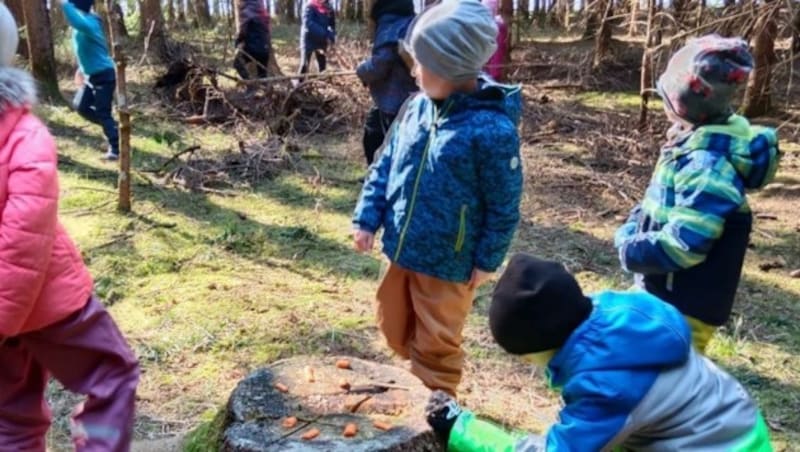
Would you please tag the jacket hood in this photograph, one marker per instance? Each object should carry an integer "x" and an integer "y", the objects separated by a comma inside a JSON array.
[
  {"x": 490, "y": 95},
  {"x": 17, "y": 89},
  {"x": 625, "y": 331},
  {"x": 752, "y": 150},
  {"x": 391, "y": 29}
]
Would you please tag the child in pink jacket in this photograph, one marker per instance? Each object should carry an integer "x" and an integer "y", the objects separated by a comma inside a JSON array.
[
  {"x": 50, "y": 324},
  {"x": 496, "y": 65}
]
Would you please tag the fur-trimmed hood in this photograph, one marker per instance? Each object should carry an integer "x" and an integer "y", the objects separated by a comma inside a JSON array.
[{"x": 17, "y": 89}]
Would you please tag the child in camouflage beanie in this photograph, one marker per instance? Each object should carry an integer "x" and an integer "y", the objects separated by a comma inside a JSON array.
[{"x": 687, "y": 239}]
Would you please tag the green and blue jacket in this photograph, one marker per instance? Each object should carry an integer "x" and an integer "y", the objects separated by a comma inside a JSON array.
[
  {"x": 447, "y": 186},
  {"x": 687, "y": 239},
  {"x": 630, "y": 380}
]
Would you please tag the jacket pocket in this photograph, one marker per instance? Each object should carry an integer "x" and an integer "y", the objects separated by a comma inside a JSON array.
[{"x": 462, "y": 229}]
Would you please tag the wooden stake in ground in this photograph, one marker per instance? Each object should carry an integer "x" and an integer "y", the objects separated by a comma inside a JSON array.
[
  {"x": 647, "y": 65},
  {"x": 124, "y": 179}
]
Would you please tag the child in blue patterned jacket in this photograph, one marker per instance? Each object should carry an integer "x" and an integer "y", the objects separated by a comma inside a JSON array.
[
  {"x": 446, "y": 190},
  {"x": 687, "y": 240}
]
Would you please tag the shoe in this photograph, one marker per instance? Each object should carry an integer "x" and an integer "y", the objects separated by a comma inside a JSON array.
[{"x": 111, "y": 156}]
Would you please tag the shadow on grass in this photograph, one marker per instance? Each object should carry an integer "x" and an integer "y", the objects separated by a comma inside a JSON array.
[
  {"x": 243, "y": 236},
  {"x": 777, "y": 399}
]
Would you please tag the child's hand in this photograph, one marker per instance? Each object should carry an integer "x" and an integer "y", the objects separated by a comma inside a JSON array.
[
  {"x": 479, "y": 278},
  {"x": 363, "y": 241}
]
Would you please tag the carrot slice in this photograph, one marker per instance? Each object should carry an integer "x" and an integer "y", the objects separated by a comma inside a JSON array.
[
  {"x": 350, "y": 430},
  {"x": 289, "y": 422},
  {"x": 382, "y": 425},
  {"x": 281, "y": 387},
  {"x": 311, "y": 434},
  {"x": 343, "y": 364}
]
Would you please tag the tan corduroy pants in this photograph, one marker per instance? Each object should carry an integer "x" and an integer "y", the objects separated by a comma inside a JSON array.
[{"x": 422, "y": 318}]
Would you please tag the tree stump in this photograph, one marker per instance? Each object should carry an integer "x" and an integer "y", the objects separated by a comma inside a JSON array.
[{"x": 325, "y": 397}]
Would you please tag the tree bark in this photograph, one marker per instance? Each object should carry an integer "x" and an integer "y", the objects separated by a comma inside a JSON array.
[
  {"x": 796, "y": 30},
  {"x": 153, "y": 31},
  {"x": 15, "y": 6},
  {"x": 202, "y": 12},
  {"x": 647, "y": 66},
  {"x": 124, "y": 178},
  {"x": 701, "y": 11},
  {"x": 40, "y": 48},
  {"x": 633, "y": 26},
  {"x": 116, "y": 18},
  {"x": 593, "y": 18},
  {"x": 603, "y": 39},
  {"x": 286, "y": 9},
  {"x": 757, "y": 98},
  {"x": 679, "y": 8}
]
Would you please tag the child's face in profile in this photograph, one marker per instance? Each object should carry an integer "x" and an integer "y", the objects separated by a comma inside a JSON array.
[
  {"x": 431, "y": 84},
  {"x": 675, "y": 119}
]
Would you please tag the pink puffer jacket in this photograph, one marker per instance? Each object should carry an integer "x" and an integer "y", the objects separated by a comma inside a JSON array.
[{"x": 42, "y": 276}]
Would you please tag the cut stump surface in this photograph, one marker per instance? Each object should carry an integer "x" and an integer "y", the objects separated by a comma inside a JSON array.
[{"x": 378, "y": 394}]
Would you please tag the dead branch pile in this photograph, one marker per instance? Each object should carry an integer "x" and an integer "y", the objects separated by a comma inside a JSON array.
[{"x": 196, "y": 170}]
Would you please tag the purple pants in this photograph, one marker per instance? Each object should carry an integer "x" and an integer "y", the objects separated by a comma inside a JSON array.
[{"x": 88, "y": 355}]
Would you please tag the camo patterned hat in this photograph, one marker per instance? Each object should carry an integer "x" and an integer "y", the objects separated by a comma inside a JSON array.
[{"x": 701, "y": 79}]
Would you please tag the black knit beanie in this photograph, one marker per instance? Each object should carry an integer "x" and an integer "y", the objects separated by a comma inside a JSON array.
[
  {"x": 536, "y": 306},
  {"x": 403, "y": 8},
  {"x": 83, "y": 5}
]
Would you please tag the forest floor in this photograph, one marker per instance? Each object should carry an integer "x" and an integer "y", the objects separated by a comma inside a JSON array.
[{"x": 211, "y": 278}]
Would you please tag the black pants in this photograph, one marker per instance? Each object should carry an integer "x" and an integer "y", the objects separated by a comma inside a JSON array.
[
  {"x": 305, "y": 58},
  {"x": 375, "y": 129},
  {"x": 93, "y": 102},
  {"x": 259, "y": 59}
]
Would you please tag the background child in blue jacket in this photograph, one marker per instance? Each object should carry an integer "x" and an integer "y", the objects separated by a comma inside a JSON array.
[
  {"x": 687, "y": 239},
  {"x": 96, "y": 68},
  {"x": 624, "y": 364},
  {"x": 385, "y": 72},
  {"x": 446, "y": 191},
  {"x": 317, "y": 33}
]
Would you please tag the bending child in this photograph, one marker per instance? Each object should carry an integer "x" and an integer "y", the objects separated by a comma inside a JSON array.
[
  {"x": 624, "y": 364},
  {"x": 50, "y": 324},
  {"x": 95, "y": 70},
  {"x": 385, "y": 73},
  {"x": 253, "y": 40},
  {"x": 446, "y": 190},
  {"x": 687, "y": 240}
]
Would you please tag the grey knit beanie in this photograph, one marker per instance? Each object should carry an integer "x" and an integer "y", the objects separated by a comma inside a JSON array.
[
  {"x": 453, "y": 39},
  {"x": 9, "y": 37}
]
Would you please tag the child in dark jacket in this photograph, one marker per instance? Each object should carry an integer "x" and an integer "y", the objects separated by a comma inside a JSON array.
[
  {"x": 317, "y": 33},
  {"x": 385, "y": 72},
  {"x": 253, "y": 40},
  {"x": 687, "y": 240},
  {"x": 96, "y": 70},
  {"x": 625, "y": 366},
  {"x": 446, "y": 190}
]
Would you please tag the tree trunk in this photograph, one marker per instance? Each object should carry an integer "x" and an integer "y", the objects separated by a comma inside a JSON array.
[
  {"x": 701, "y": 11},
  {"x": 40, "y": 47},
  {"x": 796, "y": 31},
  {"x": 593, "y": 18},
  {"x": 171, "y": 16},
  {"x": 15, "y": 6},
  {"x": 286, "y": 9},
  {"x": 117, "y": 20},
  {"x": 202, "y": 12},
  {"x": 757, "y": 99},
  {"x": 647, "y": 66},
  {"x": 124, "y": 178},
  {"x": 603, "y": 39},
  {"x": 633, "y": 26},
  {"x": 153, "y": 29}
]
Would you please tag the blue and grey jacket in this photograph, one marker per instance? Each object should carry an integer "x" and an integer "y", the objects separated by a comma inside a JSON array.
[
  {"x": 447, "y": 187},
  {"x": 319, "y": 27},
  {"x": 385, "y": 73},
  {"x": 630, "y": 379},
  {"x": 88, "y": 40},
  {"x": 694, "y": 224}
]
